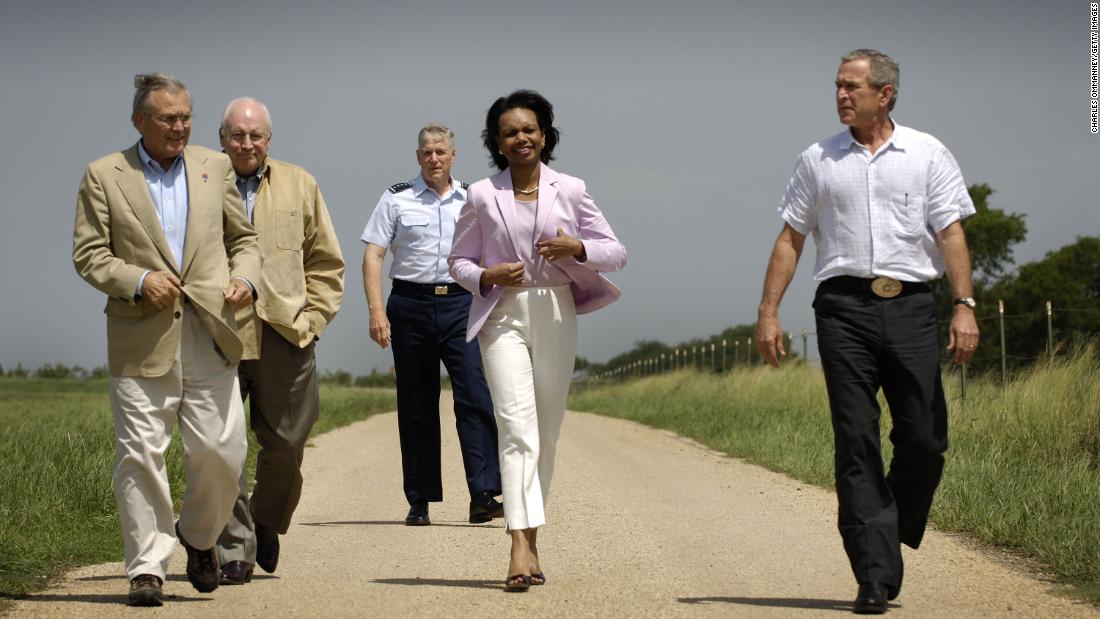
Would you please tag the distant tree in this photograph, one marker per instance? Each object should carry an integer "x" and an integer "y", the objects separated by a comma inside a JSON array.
[
  {"x": 19, "y": 371},
  {"x": 339, "y": 377},
  {"x": 99, "y": 372},
  {"x": 54, "y": 371}
]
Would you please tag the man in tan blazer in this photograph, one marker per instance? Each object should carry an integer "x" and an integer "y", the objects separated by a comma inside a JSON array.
[
  {"x": 301, "y": 288},
  {"x": 161, "y": 231}
]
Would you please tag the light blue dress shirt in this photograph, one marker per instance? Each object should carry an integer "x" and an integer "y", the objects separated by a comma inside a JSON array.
[
  {"x": 417, "y": 226},
  {"x": 168, "y": 191},
  {"x": 248, "y": 186}
]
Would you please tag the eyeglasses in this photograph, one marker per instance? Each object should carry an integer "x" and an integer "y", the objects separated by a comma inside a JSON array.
[
  {"x": 170, "y": 121},
  {"x": 239, "y": 137}
]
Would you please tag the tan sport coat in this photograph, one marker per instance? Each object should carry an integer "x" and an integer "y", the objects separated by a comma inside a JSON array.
[
  {"x": 302, "y": 284},
  {"x": 118, "y": 236}
]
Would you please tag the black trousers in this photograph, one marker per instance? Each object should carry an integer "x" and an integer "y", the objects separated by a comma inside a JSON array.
[
  {"x": 867, "y": 342},
  {"x": 426, "y": 329}
]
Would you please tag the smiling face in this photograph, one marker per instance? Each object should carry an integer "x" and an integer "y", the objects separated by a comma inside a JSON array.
[
  {"x": 436, "y": 156},
  {"x": 520, "y": 138},
  {"x": 245, "y": 137},
  {"x": 858, "y": 103},
  {"x": 165, "y": 124}
]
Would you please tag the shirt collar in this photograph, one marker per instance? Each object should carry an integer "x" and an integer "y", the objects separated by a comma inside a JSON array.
[
  {"x": 420, "y": 186},
  {"x": 258, "y": 174},
  {"x": 898, "y": 139},
  {"x": 150, "y": 163}
]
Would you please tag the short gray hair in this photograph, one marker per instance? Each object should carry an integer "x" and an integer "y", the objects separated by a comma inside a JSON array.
[
  {"x": 146, "y": 84},
  {"x": 260, "y": 104},
  {"x": 883, "y": 69},
  {"x": 434, "y": 130}
]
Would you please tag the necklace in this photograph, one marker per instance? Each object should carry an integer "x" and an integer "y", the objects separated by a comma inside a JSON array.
[{"x": 527, "y": 192}]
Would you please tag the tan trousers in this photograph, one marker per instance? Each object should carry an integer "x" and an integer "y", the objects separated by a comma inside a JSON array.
[
  {"x": 528, "y": 347},
  {"x": 284, "y": 404},
  {"x": 200, "y": 391}
]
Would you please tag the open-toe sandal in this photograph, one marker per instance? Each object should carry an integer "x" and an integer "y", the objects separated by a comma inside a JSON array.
[
  {"x": 538, "y": 578},
  {"x": 517, "y": 582}
]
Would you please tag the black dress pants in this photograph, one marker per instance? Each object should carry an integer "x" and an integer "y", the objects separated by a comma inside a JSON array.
[
  {"x": 426, "y": 329},
  {"x": 867, "y": 342}
]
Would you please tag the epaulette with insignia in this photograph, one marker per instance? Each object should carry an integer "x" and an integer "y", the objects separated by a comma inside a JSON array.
[
  {"x": 399, "y": 187},
  {"x": 465, "y": 186}
]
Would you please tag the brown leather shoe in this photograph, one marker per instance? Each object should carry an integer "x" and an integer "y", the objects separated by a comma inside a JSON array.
[
  {"x": 145, "y": 590},
  {"x": 267, "y": 548},
  {"x": 236, "y": 573},
  {"x": 202, "y": 566}
]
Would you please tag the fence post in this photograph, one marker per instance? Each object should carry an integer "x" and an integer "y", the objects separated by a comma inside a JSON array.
[
  {"x": 723, "y": 355},
  {"x": 804, "y": 338},
  {"x": 1004, "y": 353},
  {"x": 1050, "y": 332},
  {"x": 736, "y": 352},
  {"x": 748, "y": 350},
  {"x": 712, "y": 356}
]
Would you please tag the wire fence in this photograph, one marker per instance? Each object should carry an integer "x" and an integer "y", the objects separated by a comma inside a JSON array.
[{"x": 1009, "y": 341}]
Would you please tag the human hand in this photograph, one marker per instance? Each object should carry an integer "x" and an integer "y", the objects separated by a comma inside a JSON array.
[
  {"x": 962, "y": 339},
  {"x": 380, "y": 329},
  {"x": 161, "y": 288},
  {"x": 503, "y": 274},
  {"x": 239, "y": 294},
  {"x": 769, "y": 339},
  {"x": 560, "y": 246}
]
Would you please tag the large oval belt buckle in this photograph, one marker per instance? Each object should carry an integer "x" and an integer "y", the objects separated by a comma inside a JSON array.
[{"x": 886, "y": 287}]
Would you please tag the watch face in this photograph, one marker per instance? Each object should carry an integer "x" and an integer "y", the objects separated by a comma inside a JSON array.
[{"x": 967, "y": 301}]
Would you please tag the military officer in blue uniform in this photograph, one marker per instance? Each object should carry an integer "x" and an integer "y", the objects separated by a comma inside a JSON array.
[{"x": 425, "y": 320}]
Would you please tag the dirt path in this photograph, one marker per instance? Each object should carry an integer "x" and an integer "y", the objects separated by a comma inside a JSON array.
[{"x": 641, "y": 523}]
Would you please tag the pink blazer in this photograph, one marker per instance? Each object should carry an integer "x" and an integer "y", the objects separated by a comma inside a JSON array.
[{"x": 484, "y": 236}]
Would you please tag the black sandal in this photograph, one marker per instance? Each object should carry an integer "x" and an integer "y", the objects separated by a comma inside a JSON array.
[
  {"x": 538, "y": 578},
  {"x": 517, "y": 583}
]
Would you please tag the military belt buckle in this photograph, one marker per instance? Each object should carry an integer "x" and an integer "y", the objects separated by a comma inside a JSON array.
[
  {"x": 441, "y": 291},
  {"x": 886, "y": 287}
]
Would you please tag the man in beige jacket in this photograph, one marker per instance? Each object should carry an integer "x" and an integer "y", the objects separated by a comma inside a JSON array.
[
  {"x": 301, "y": 287},
  {"x": 160, "y": 230}
]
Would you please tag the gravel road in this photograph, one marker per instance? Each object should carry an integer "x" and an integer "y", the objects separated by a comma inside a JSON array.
[{"x": 641, "y": 524}]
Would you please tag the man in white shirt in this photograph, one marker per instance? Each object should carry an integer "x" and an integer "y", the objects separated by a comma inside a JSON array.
[
  {"x": 885, "y": 205},
  {"x": 425, "y": 319}
]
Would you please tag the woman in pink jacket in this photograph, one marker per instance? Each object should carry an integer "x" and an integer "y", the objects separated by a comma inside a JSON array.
[{"x": 529, "y": 244}]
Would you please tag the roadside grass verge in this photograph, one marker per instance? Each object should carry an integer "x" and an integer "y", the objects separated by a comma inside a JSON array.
[
  {"x": 1023, "y": 466},
  {"x": 57, "y": 504}
]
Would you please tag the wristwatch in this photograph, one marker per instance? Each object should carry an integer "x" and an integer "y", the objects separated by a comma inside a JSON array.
[{"x": 967, "y": 301}]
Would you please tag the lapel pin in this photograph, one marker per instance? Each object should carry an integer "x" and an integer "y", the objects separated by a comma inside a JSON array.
[{"x": 204, "y": 177}]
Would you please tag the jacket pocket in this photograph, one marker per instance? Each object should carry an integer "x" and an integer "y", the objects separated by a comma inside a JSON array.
[{"x": 289, "y": 230}]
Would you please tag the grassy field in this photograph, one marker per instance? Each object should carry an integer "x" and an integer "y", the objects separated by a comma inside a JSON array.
[
  {"x": 1023, "y": 468},
  {"x": 57, "y": 505}
]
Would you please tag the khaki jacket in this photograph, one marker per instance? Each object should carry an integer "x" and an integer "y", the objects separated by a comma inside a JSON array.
[
  {"x": 302, "y": 284},
  {"x": 118, "y": 236}
]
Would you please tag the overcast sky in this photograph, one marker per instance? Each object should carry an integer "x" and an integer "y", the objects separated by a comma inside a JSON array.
[{"x": 685, "y": 119}]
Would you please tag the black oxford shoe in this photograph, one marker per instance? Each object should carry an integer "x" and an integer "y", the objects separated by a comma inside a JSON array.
[
  {"x": 418, "y": 515},
  {"x": 871, "y": 599},
  {"x": 483, "y": 508},
  {"x": 236, "y": 573},
  {"x": 145, "y": 591}
]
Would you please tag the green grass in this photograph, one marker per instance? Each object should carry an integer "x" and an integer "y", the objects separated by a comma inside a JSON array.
[
  {"x": 57, "y": 505},
  {"x": 1023, "y": 467}
]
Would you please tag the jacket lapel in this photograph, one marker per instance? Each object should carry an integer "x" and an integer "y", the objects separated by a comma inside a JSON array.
[
  {"x": 131, "y": 180},
  {"x": 506, "y": 204},
  {"x": 198, "y": 194},
  {"x": 548, "y": 193}
]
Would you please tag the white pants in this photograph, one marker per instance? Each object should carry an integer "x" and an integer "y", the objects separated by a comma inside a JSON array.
[
  {"x": 201, "y": 391},
  {"x": 528, "y": 347}
]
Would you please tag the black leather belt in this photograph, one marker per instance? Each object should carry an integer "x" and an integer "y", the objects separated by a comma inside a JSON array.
[
  {"x": 435, "y": 290},
  {"x": 883, "y": 287}
]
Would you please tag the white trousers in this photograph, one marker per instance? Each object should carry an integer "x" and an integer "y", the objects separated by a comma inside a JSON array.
[
  {"x": 201, "y": 391},
  {"x": 528, "y": 347}
]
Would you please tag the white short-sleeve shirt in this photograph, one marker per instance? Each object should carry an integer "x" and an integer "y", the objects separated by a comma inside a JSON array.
[
  {"x": 876, "y": 215},
  {"x": 417, "y": 226}
]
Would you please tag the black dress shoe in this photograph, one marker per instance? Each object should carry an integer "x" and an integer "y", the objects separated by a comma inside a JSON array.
[
  {"x": 145, "y": 591},
  {"x": 236, "y": 573},
  {"x": 871, "y": 599},
  {"x": 202, "y": 566},
  {"x": 418, "y": 515},
  {"x": 483, "y": 508},
  {"x": 267, "y": 548}
]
